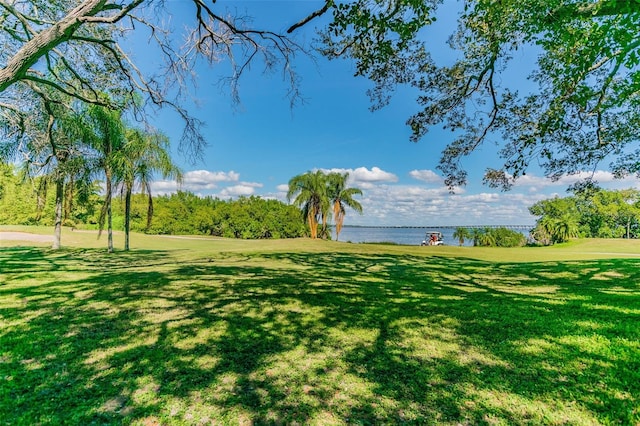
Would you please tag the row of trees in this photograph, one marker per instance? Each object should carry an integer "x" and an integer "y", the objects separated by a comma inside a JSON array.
[
  {"x": 79, "y": 144},
  {"x": 252, "y": 217},
  {"x": 24, "y": 200},
  {"x": 589, "y": 213},
  {"x": 63, "y": 56},
  {"x": 321, "y": 195}
]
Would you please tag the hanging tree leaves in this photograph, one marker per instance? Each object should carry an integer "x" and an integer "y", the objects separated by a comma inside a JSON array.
[
  {"x": 585, "y": 107},
  {"x": 583, "y": 111}
]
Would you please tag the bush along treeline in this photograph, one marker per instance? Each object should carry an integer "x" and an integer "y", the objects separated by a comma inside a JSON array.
[
  {"x": 589, "y": 213},
  {"x": 28, "y": 200},
  {"x": 490, "y": 237},
  {"x": 188, "y": 214}
]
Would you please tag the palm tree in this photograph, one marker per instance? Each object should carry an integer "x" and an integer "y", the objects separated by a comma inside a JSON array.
[
  {"x": 71, "y": 175},
  {"x": 58, "y": 157},
  {"x": 461, "y": 233},
  {"x": 310, "y": 191},
  {"x": 341, "y": 197},
  {"x": 486, "y": 238},
  {"x": 544, "y": 231},
  {"x": 476, "y": 233},
  {"x": 565, "y": 227},
  {"x": 103, "y": 130},
  {"x": 142, "y": 155}
]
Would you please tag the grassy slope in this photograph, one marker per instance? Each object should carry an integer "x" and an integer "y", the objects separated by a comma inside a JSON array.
[{"x": 185, "y": 331}]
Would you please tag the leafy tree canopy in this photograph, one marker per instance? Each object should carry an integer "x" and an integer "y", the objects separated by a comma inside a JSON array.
[
  {"x": 594, "y": 214},
  {"x": 584, "y": 110}
]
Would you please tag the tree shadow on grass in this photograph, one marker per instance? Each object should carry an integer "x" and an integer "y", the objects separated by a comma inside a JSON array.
[{"x": 316, "y": 338}]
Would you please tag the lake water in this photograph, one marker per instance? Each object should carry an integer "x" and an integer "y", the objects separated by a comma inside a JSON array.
[{"x": 405, "y": 236}]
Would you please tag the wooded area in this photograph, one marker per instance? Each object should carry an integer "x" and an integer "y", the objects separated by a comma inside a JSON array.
[
  {"x": 25, "y": 201},
  {"x": 589, "y": 213}
]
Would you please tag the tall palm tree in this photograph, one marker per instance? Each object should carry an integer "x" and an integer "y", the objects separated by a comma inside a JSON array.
[
  {"x": 57, "y": 156},
  {"x": 341, "y": 197},
  {"x": 142, "y": 155},
  {"x": 103, "y": 130},
  {"x": 71, "y": 176},
  {"x": 476, "y": 233},
  {"x": 461, "y": 233},
  {"x": 310, "y": 191}
]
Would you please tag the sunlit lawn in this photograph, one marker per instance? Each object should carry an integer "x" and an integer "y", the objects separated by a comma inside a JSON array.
[{"x": 236, "y": 332}]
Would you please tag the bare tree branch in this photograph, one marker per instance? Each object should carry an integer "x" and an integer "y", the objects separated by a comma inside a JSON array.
[
  {"x": 306, "y": 20},
  {"x": 72, "y": 48}
]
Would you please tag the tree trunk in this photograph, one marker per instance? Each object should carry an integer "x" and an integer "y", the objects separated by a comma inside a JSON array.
[
  {"x": 313, "y": 226},
  {"x": 109, "y": 229},
  {"x": 336, "y": 218},
  {"x": 109, "y": 217},
  {"x": 324, "y": 226},
  {"x": 57, "y": 228},
  {"x": 127, "y": 217},
  {"x": 628, "y": 228},
  {"x": 68, "y": 203},
  {"x": 149, "y": 210}
]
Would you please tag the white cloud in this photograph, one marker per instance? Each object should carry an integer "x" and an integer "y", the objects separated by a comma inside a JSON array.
[
  {"x": 604, "y": 178},
  {"x": 198, "y": 180},
  {"x": 362, "y": 176},
  {"x": 484, "y": 197},
  {"x": 164, "y": 187},
  {"x": 243, "y": 189},
  {"x": 204, "y": 182},
  {"x": 427, "y": 176},
  {"x": 415, "y": 205}
]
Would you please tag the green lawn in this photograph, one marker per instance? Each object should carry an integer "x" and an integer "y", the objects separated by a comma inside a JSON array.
[{"x": 213, "y": 331}]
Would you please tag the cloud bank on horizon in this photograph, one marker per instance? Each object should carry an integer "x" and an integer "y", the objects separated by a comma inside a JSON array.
[{"x": 418, "y": 199}]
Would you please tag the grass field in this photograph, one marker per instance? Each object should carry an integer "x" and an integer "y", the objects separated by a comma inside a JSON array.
[{"x": 212, "y": 331}]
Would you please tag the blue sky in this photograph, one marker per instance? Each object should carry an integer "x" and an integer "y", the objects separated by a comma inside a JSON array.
[{"x": 254, "y": 148}]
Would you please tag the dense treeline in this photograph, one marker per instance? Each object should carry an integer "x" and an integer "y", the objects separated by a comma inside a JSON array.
[
  {"x": 592, "y": 213},
  {"x": 589, "y": 213},
  {"x": 27, "y": 201}
]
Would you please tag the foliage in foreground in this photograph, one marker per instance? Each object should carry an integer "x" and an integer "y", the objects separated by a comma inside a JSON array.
[{"x": 330, "y": 337}]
